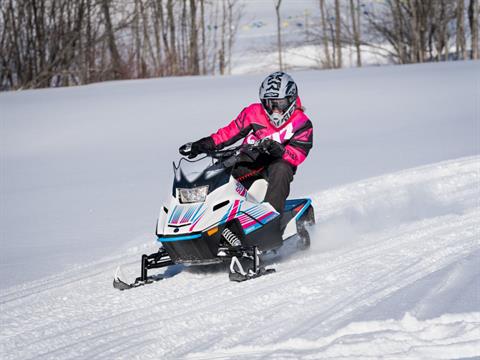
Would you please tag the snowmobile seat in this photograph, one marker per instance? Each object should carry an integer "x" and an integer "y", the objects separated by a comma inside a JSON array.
[{"x": 258, "y": 190}]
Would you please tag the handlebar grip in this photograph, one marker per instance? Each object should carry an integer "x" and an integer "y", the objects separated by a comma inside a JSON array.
[{"x": 186, "y": 149}]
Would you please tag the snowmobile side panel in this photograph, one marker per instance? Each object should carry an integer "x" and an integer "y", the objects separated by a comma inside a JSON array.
[{"x": 267, "y": 237}]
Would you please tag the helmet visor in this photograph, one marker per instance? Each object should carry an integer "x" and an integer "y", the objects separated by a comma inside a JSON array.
[{"x": 281, "y": 105}]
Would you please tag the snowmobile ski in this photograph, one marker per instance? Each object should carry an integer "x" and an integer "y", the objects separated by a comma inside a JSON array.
[
  {"x": 153, "y": 261},
  {"x": 250, "y": 259}
]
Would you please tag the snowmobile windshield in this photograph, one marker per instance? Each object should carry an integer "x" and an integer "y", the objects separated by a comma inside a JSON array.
[{"x": 189, "y": 174}]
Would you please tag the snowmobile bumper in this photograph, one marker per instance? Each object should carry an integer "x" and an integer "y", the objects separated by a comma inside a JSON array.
[{"x": 194, "y": 248}]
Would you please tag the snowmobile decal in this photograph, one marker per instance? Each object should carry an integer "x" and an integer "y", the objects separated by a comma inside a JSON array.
[
  {"x": 240, "y": 189},
  {"x": 255, "y": 217},
  {"x": 184, "y": 214},
  {"x": 196, "y": 220},
  {"x": 281, "y": 136},
  {"x": 235, "y": 210}
]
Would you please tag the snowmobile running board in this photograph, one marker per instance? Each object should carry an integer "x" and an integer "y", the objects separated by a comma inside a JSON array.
[{"x": 153, "y": 261}]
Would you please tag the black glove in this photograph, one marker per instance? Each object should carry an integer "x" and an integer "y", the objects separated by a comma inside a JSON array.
[
  {"x": 272, "y": 148},
  {"x": 198, "y": 147}
]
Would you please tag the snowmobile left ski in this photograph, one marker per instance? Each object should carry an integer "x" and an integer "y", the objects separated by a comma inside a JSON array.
[{"x": 213, "y": 218}]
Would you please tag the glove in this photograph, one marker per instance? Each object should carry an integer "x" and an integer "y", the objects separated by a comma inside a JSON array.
[
  {"x": 272, "y": 148},
  {"x": 192, "y": 150}
]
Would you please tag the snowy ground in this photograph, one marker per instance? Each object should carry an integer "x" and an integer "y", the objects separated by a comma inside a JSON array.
[{"x": 393, "y": 271}]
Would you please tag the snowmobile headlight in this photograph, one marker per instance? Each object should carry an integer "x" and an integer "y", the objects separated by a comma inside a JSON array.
[{"x": 193, "y": 195}]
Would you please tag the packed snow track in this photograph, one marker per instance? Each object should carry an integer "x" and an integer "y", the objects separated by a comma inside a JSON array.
[{"x": 393, "y": 272}]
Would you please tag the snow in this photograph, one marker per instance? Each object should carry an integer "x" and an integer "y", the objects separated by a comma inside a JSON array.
[
  {"x": 445, "y": 337},
  {"x": 394, "y": 177}
]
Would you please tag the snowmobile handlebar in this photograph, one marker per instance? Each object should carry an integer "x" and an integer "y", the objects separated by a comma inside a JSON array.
[{"x": 228, "y": 157}]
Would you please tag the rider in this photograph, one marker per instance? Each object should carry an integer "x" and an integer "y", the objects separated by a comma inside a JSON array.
[{"x": 280, "y": 127}]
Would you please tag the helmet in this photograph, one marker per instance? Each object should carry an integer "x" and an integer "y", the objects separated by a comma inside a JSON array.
[{"x": 278, "y": 94}]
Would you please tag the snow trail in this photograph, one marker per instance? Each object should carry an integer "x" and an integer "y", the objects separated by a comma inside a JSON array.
[{"x": 392, "y": 271}]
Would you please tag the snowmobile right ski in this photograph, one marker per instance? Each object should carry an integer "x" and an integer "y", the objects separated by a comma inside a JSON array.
[{"x": 245, "y": 265}]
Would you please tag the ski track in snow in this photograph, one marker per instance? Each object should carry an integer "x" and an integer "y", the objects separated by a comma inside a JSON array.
[{"x": 385, "y": 277}]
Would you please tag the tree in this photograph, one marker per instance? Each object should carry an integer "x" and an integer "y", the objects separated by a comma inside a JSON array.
[
  {"x": 355, "y": 14},
  {"x": 473, "y": 20},
  {"x": 115, "y": 56},
  {"x": 338, "y": 34},
  {"x": 326, "y": 50},
  {"x": 279, "y": 34},
  {"x": 461, "y": 49}
]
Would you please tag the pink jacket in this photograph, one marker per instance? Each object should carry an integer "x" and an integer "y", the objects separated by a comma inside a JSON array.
[{"x": 253, "y": 124}]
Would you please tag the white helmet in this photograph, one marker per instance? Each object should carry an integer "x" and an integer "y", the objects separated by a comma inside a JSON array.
[{"x": 278, "y": 94}]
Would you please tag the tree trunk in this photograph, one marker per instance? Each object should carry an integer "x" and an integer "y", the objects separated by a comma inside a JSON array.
[
  {"x": 398, "y": 25},
  {"x": 116, "y": 61},
  {"x": 338, "y": 34},
  {"x": 328, "y": 61},
  {"x": 460, "y": 34},
  {"x": 158, "y": 71},
  {"x": 202, "y": 25},
  {"x": 356, "y": 36},
  {"x": 415, "y": 53},
  {"x": 173, "y": 51},
  {"x": 230, "y": 36},
  {"x": 279, "y": 34},
  {"x": 473, "y": 20},
  {"x": 221, "y": 53},
  {"x": 195, "y": 67}
]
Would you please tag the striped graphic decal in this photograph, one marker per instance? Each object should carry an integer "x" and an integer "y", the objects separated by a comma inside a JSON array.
[
  {"x": 235, "y": 210},
  {"x": 184, "y": 214},
  {"x": 250, "y": 219},
  {"x": 196, "y": 218},
  {"x": 255, "y": 217}
]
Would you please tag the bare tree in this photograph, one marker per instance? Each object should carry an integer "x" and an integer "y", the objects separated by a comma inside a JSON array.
[
  {"x": 326, "y": 50},
  {"x": 338, "y": 34},
  {"x": 194, "y": 57},
  {"x": 171, "y": 24},
  {"x": 473, "y": 20},
  {"x": 116, "y": 61},
  {"x": 278, "y": 3},
  {"x": 202, "y": 26},
  {"x": 461, "y": 49},
  {"x": 356, "y": 32},
  {"x": 221, "y": 52}
]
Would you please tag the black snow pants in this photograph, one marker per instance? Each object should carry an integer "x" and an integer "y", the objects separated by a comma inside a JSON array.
[{"x": 278, "y": 173}]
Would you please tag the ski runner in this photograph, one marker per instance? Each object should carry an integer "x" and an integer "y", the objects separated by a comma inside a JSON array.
[{"x": 279, "y": 125}]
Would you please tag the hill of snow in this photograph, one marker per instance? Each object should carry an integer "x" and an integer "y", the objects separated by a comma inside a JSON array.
[{"x": 394, "y": 175}]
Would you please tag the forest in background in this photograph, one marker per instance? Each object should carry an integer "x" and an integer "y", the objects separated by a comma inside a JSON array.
[{"x": 50, "y": 43}]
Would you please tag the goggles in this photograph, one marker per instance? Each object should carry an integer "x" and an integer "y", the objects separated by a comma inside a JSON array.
[{"x": 277, "y": 104}]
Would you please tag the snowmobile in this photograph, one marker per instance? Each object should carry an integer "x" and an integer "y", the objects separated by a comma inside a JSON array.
[{"x": 213, "y": 218}]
